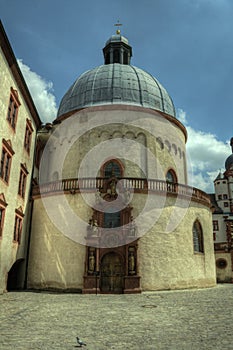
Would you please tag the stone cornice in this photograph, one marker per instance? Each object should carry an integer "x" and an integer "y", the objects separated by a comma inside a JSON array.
[{"x": 124, "y": 107}]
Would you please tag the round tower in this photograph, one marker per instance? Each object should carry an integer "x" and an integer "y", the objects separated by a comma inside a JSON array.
[{"x": 113, "y": 205}]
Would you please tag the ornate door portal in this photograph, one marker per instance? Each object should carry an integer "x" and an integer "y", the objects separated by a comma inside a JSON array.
[
  {"x": 111, "y": 273},
  {"x": 111, "y": 255}
]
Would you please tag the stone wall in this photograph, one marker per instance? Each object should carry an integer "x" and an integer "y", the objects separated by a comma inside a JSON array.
[{"x": 224, "y": 273}]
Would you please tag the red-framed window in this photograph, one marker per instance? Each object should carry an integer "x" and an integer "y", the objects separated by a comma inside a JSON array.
[
  {"x": 18, "y": 225},
  {"x": 3, "y": 206},
  {"x": 171, "y": 176},
  {"x": 112, "y": 168},
  {"x": 13, "y": 108},
  {"x": 22, "y": 180},
  {"x": 171, "y": 180},
  {"x": 6, "y": 158},
  {"x": 215, "y": 225},
  {"x": 28, "y": 136}
]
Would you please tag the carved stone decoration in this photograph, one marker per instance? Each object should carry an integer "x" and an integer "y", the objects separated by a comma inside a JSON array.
[
  {"x": 91, "y": 260},
  {"x": 111, "y": 253},
  {"x": 131, "y": 261},
  {"x": 109, "y": 190},
  {"x": 132, "y": 228},
  {"x": 93, "y": 228},
  {"x": 111, "y": 239},
  {"x": 126, "y": 196}
]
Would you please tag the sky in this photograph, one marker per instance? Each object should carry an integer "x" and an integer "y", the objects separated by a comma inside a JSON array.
[{"x": 186, "y": 44}]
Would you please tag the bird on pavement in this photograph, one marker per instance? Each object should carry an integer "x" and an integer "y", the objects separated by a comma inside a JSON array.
[{"x": 80, "y": 342}]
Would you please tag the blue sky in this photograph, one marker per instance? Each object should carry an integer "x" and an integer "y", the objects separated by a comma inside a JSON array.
[{"x": 186, "y": 44}]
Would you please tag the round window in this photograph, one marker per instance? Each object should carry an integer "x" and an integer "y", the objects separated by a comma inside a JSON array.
[{"x": 221, "y": 263}]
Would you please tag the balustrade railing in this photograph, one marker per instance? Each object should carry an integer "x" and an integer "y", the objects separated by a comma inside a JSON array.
[{"x": 133, "y": 184}]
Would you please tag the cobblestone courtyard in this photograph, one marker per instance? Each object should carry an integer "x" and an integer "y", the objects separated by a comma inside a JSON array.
[{"x": 190, "y": 319}]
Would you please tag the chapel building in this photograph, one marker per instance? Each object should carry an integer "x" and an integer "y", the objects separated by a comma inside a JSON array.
[{"x": 111, "y": 209}]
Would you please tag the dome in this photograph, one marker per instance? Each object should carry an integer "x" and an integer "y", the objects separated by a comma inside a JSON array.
[
  {"x": 229, "y": 162},
  {"x": 116, "y": 83}
]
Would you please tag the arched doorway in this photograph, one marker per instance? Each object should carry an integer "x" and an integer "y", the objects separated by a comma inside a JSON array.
[
  {"x": 111, "y": 273},
  {"x": 13, "y": 280}
]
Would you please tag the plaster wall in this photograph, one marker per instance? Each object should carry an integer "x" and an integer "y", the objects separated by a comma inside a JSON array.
[
  {"x": 221, "y": 233},
  {"x": 56, "y": 261},
  {"x": 84, "y": 141},
  {"x": 165, "y": 252},
  {"x": 9, "y": 250},
  {"x": 224, "y": 274},
  {"x": 167, "y": 258}
]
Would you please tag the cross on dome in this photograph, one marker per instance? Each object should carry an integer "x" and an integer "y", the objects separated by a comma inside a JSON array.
[{"x": 118, "y": 24}]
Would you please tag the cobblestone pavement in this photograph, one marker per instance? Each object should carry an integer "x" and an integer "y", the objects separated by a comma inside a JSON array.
[{"x": 188, "y": 319}]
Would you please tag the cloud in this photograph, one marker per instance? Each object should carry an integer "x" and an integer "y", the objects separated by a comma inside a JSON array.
[
  {"x": 206, "y": 156},
  {"x": 41, "y": 92}
]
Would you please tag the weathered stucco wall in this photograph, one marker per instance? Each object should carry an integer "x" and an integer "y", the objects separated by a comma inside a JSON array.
[
  {"x": 166, "y": 259},
  {"x": 79, "y": 146},
  {"x": 224, "y": 274},
  {"x": 55, "y": 261},
  {"x": 11, "y": 251}
]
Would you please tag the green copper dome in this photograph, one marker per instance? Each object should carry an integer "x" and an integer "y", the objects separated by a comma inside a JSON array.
[{"x": 116, "y": 82}]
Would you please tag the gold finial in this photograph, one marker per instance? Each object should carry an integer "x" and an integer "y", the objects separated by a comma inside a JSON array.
[{"x": 118, "y": 24}]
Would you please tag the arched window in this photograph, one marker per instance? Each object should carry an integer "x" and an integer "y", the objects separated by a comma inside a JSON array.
[
  {"x": 116, "y": 56},
  {"x": 112, "y": 169},
  {"x": 198, "y": 244},
  {"x": 171, "y": 176},
  {"x": 126, "y": 59},
  {"x": 107, "y": 59},
  {"x": 171, "y": 181}
]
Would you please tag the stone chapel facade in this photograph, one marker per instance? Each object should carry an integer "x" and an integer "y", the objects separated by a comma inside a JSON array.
[{"x": 111, "y": 208}]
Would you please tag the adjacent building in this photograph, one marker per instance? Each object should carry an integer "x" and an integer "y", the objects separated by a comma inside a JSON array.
[
  {"x": 222, "y": 201},
  {"x": 18, "y": 129}
]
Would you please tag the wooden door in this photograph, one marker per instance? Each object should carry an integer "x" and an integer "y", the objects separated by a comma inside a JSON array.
[{"x": 111, "y": 273}]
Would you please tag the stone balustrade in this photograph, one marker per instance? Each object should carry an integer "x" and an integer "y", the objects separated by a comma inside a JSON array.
[{"x": 136, "y": 185}]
